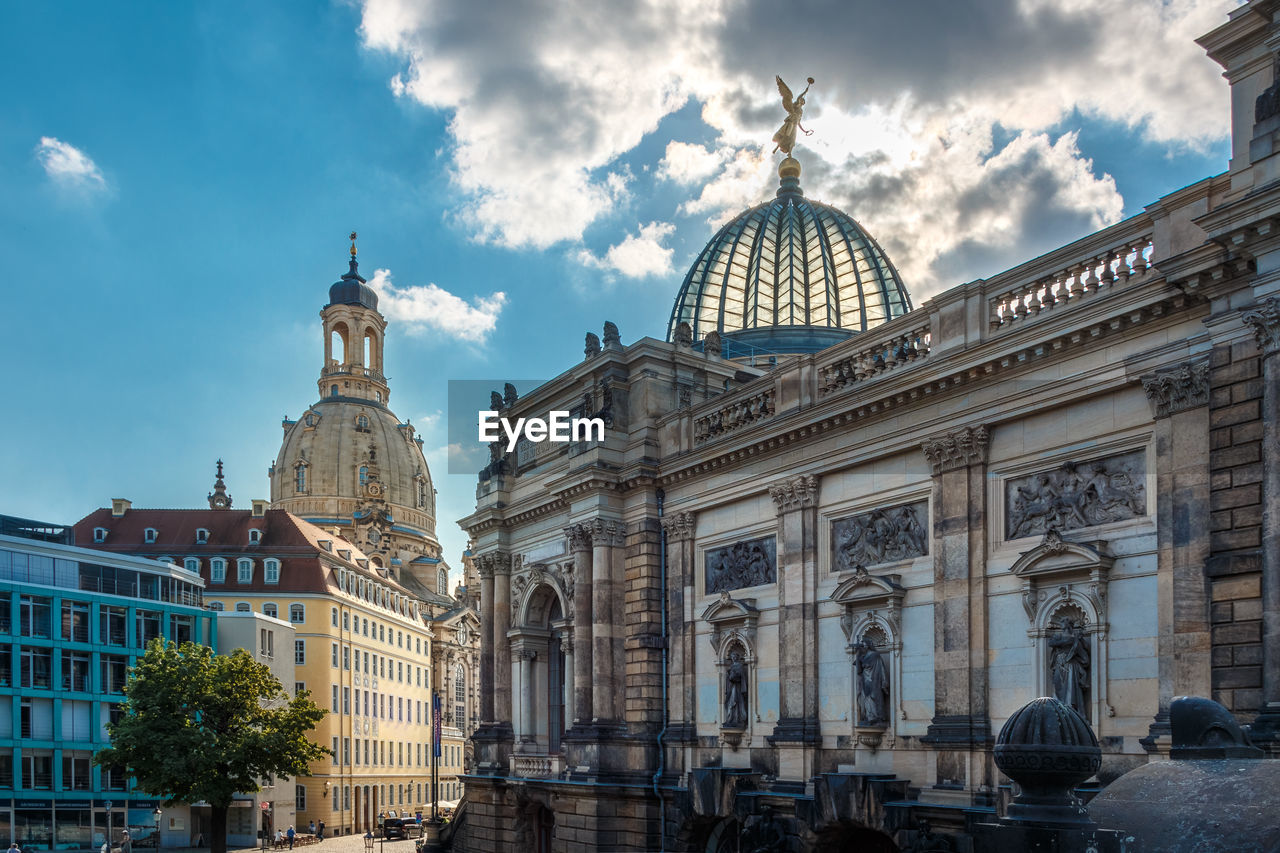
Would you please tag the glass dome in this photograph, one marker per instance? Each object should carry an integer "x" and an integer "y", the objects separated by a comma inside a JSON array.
[{"x": 788, "y": 276}]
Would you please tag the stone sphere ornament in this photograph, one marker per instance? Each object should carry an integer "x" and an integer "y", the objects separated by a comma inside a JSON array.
[{"x": 1047, "y": 749}]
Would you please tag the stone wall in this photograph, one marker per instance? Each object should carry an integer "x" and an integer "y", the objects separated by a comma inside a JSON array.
[{"x": 1235, "y": 568}]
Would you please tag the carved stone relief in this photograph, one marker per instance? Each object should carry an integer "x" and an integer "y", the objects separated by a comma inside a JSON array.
[
  {"x": 748, "y": 563},
  {"x": 1077, "y": 495},
  {"x": 882, "y": 535}
]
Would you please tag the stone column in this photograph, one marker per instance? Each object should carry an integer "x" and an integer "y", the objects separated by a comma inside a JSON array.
[
  {"x": 681, "y": 590},
  {"x": 484, "y": 566},
  {"x": 796, "y": 500},
  {"x": 606, "y": 631},
  {"x": 566, "y": 646},
  {"x": 960, "y": 723},
  {"x": 501, "y": 647},
  {"x": 580, "y": 708},
  {"x": 1180, "y": 404},
  {"x": 528, "y": 723},
  {"x": 1264, "y": 320}
]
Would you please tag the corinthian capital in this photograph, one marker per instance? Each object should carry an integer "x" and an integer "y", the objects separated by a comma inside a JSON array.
[
  {"x": 958, "y": 449},
  {"x": 607, "y": 531},
  {"x": 493, "y": 562},
  {"x": 679, "y": 526},
  {"x": 1264, "y": 319},
  {"x": 796, "y": 493},
  {"x": 578, "y": 536},
  {"x": 1178, "y": 389}
]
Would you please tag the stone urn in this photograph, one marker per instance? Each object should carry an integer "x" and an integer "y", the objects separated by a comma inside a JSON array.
[{"x": 1047, "y": 749}]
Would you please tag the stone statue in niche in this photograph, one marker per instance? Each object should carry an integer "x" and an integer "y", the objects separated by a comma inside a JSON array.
[
  {"x": 742, "y": 564},
  {"x": 1069, "y": 665},
  {"x": 873, "y": 684},
  {"x": 735, "y": 693},
  {"x": 880, "y": 536},
  {"x": 1077, "y": 495}
]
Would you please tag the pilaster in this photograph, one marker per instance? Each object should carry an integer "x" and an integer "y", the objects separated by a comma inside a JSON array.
[{"x": 681, "y": 592}]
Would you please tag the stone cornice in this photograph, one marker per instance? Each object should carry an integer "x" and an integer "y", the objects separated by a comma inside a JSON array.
[
  {"x": 679, "y": 527},
  {"x": 1264, "y": 320},
  {"x": 796, "y": 493},
  {"x": 1178, "y": 389},
  {"x": 958, "y": 449}
]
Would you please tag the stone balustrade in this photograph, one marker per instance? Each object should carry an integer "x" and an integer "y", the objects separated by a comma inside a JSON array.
[
  {"x": 352, "y": 370},
  {"x": 537, "y": 766},
  {"x": 885, "y": 352},
  {"x": 743, "y": 409},
  {"x": 1069, "y": 284}
]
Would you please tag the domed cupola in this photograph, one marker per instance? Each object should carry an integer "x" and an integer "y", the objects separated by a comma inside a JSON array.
[
  {"x": 351, "y": 288},
  {"x": 788, "y": 276}
]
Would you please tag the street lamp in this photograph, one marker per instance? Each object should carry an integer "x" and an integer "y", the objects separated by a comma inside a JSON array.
[
  {"x": 382, "y": 830},
  {"x": 368, "y": 840},
  {"x": 157, "y": 817}
]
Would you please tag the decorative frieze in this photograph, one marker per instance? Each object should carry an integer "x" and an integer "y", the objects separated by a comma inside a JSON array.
[
  {"x": 883, "y": 535},
  {"x": 1178, "y": 389},
  {"x": 679, "y": 526},
  {"x": 957, "y": 449},
  {"x": 753, "y": 562},
  {"x": 796, "y": 493},
  {"x": 1076, "y": 495},
  {"x": 1264, "y": 320}
]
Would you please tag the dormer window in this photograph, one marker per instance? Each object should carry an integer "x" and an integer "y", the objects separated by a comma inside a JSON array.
[
  {"x": 192, "y": 565},
  {"x": 271, "y": 571},
  {"x": 362, "y": 423},
  {"x": 149, "y": 535},
  {"x": 255, "y": 536},
  {"x": 202, "y": 536},
  {"x": 244, "y": 570},
  {"x": 217, "y": 570},
  {"x": 311, "y": 419},
  {"x": 99, "y": 534}
]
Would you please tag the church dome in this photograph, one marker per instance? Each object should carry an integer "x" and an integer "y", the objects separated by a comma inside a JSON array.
[
  {"x": 788, "y": 276},
  {"x": 352, "y": 290}
]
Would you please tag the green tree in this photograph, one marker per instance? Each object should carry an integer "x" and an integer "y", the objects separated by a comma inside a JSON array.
[{"x": 199, "y": 726}]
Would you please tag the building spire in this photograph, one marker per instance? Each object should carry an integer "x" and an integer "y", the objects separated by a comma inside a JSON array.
[
  {"x": 218, "y": 498},
  {"x": 353, "y": 272}
]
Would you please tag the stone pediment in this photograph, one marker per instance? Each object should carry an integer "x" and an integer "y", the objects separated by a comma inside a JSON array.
[
  {"x": 864, "y": 588},
  {"x": 1056, "y": 556},
  {"x": 1079, "y": 571},
  {"x": 730, "y": 617}
]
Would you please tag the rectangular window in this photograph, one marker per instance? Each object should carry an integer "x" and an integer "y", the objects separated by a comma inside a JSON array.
[
  {"x": 366, "y": 703},
  {"x": 181, "y": 628},
  {"x": 113, "y": 670},
  {"x": 244, "y": 571},
  {"x": 346, "y": 700},
  {"x": 75, "y": 671},
  {"x": 147, "y": 627},
  {"x": 267, "y": 643},
  {"x": 300, "y": 798},
  {"x": 400, "y": 754},
  {"x": 75, "y": 770},
  {"x": 335, "y": 748},
  {"x": 399, "y": 671},
  {"x": 218, "y": 570},
  {"x": 35, "y": 616},
  {"x": 333, "y": 654},
  {"x": 400, "y": 708},
  {"x": 333, "y": 616},
  {"x": 335, "y": 698},
  {"x": 346, "y": 657},
  {"x": 299, "y": 651},
  {"x": 6, "y": 768},
  {"x": 37, "y": 668},
  {"x": 75, "y": 621},
  {"x": 111, "y": 625},
  {"x": 298, "y": 687},
  {"x": 37, "y": 769},
  {"x": 346, "y": 789},
  {"x": 346, "y": 750}
]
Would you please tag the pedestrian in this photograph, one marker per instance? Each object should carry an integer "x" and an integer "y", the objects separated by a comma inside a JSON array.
[
  {"x": 126, "y": 846},
  {"x": 311, "y": 827},
  {"x": 279, "y": 838},
  {"x": 14, "y": 848},
  {"x": 320, "y": 829},
  {"x": 290, "y": 835}
]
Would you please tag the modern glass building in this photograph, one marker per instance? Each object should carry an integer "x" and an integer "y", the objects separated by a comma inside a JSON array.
[{"x": 72, "y": 621}]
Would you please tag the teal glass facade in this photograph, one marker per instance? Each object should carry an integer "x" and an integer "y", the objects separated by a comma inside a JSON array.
[{"x": 72, "y": 621}]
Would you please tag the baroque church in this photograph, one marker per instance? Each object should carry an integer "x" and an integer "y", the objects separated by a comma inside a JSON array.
[{"x": 832, "y": 539}]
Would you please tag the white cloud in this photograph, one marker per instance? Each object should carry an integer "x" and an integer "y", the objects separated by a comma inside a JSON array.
[
  {"x": 427, "y": 307},
  {"x": 68, "y": 166},
  {"x": 638, "y": 255},
  {"x": 545, "y": 101}
]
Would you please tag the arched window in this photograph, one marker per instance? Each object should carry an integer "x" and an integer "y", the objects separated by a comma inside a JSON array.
[
  {"x": 270, "y": 609},
  {"x": 422, "y": 492},
  {"x": 202, "y": 536},
  {"x": 311, "y": 419},
  {"x": 297, "y": 613},
  {"x": 99, "y": 534},
  {"x": 362, "y": 423},
  {"x": 300, "y": 478},
  {"x": 149, "y": 535},
  {"x": 244, "y": 570},
  {"x": 243, "y": 607},
  {"x": 364, "y": 475},
  {"x": 271, "y": 570},
  {"x": 217, "y": 570},
  {"x": 442, "y": 581},
  {"x": 215, "y": 605},
  {"x": 460, "y": 698},
  {"x": 255, "y": 536},
  {"x": 191, "y": 564}
]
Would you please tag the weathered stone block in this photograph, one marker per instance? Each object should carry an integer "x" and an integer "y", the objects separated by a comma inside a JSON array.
[
  {"x": 1240, "y": 632},
  {"x": 1238, "y": 676},
  {"x": 1248, "y": 655},
  {"x": 1235, "y": 414},
  {"x": 1248, "y": 609},
  {"x": 1236, "y": 455},
  {"x": 1220, "y": 611},
  {"x": 1228, "y": 540},
  {"x": 1229, "y": 589}
]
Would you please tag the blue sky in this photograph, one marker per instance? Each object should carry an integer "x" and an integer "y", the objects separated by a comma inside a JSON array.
[{"x": 180, "y": 179}]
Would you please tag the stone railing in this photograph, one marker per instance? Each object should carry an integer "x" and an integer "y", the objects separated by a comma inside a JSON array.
[
  {"x": 746, "y": 408},
  {"x": 884, "y": 351},
  {"x": 537, "y": 766},
  {"x": 1070, "y": 282},
  {"x": 352, "y": 370}
]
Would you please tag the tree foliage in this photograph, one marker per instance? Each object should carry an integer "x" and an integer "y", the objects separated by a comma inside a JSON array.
[{"x": 202, "y": 727}]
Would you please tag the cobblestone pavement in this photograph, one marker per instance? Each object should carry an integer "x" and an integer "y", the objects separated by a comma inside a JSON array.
[{"x": 341, "y": 844}]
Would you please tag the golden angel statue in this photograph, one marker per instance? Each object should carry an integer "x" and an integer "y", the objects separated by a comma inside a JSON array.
[{"x": 786, "y": 135}]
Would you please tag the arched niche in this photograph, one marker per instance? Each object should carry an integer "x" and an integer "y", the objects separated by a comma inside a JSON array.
[
  {"x": 1063, "y": 583},
  {"x": 871, "y": 609},
  {"x": 733, "y": 631},
  {"x": 542, "y": 649}
]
